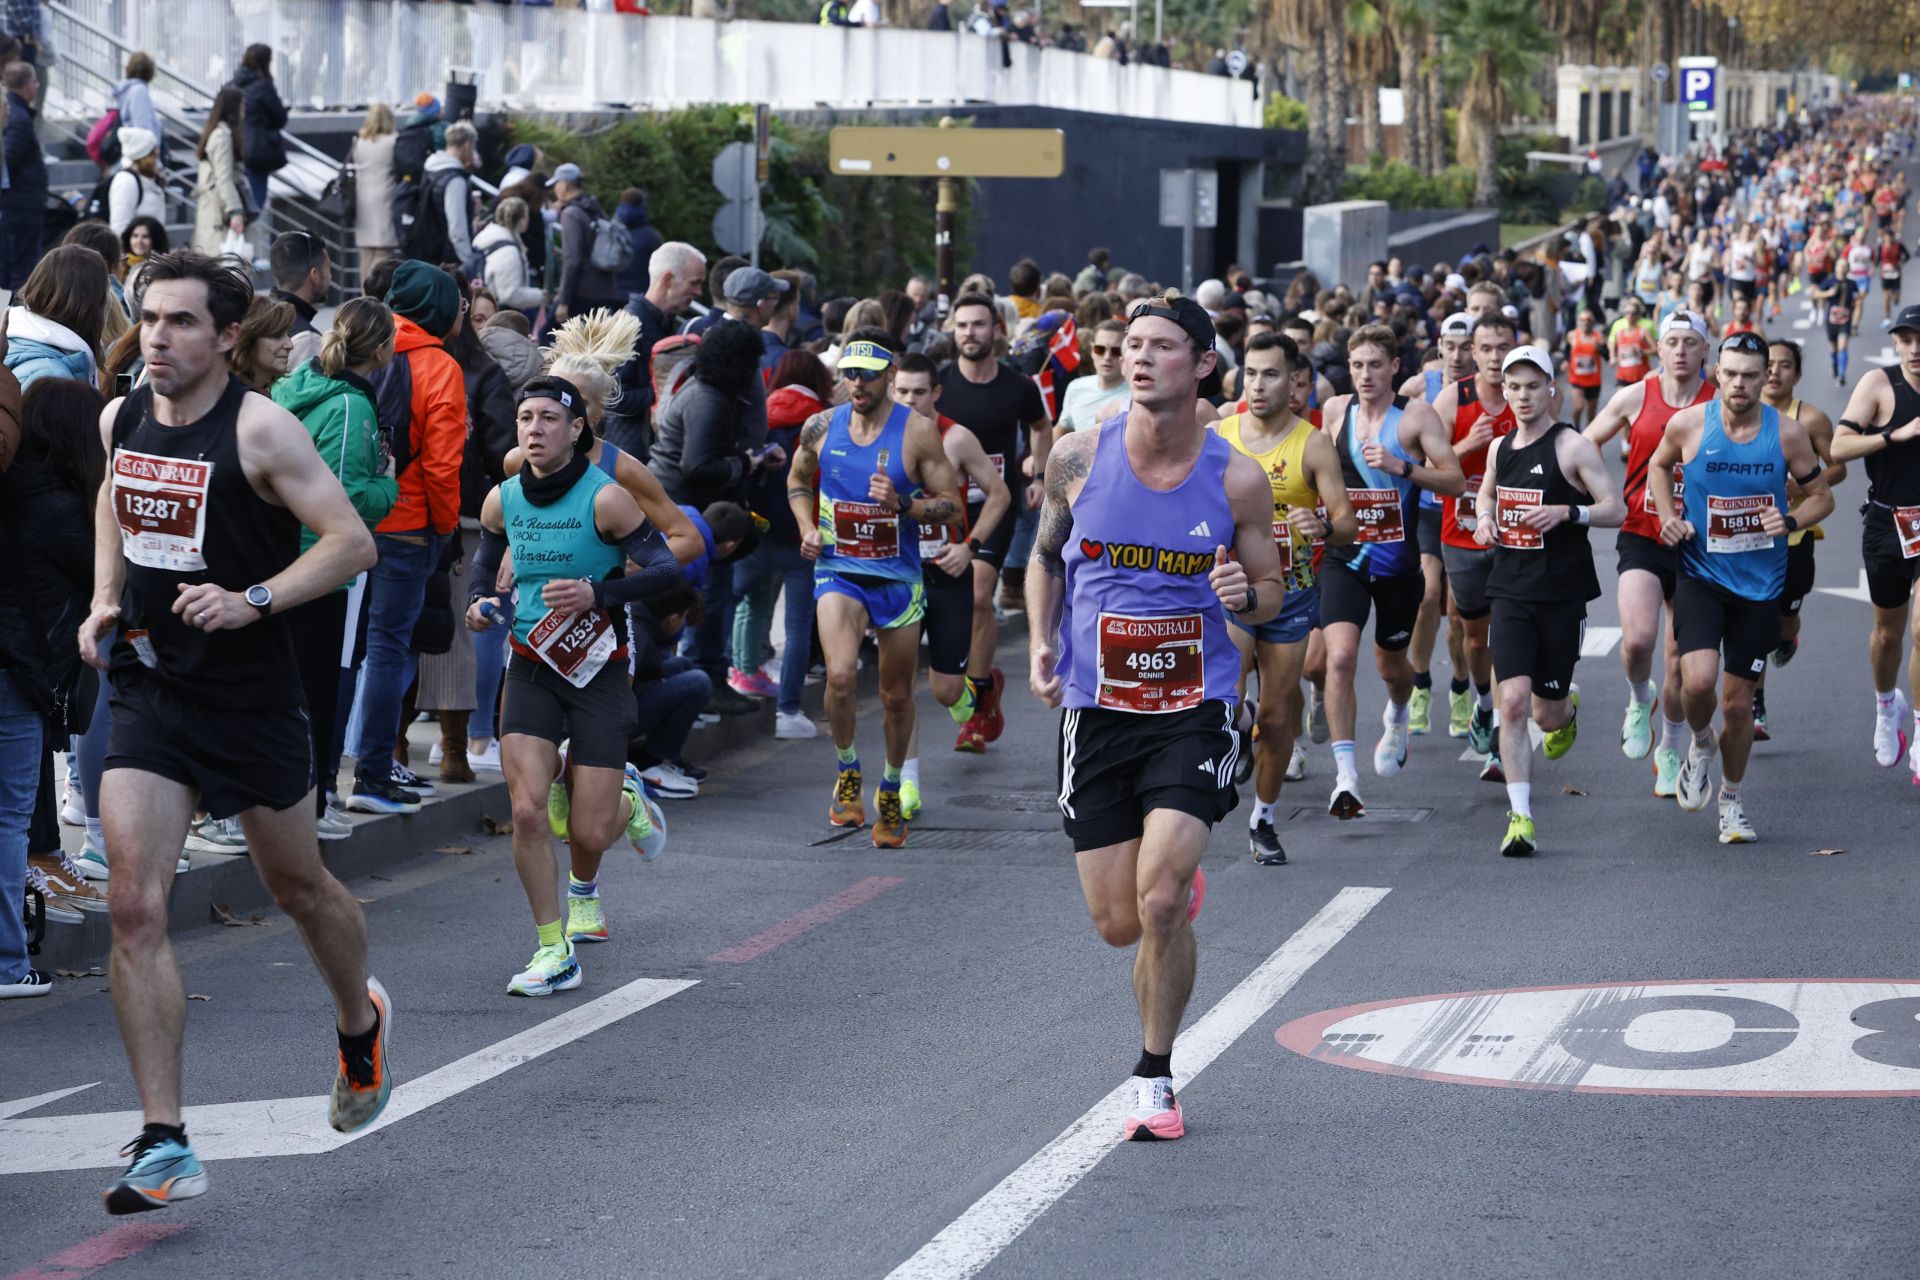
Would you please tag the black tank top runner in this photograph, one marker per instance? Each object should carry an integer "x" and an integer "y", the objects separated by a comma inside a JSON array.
[
  {"x": 1893, "y": 473},
  {"x": 188, "y": 514},
  {"x": 1561, "y": 569}
]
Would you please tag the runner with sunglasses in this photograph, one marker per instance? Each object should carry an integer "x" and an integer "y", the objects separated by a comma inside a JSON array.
[
  {"x": 866, "y": 477},
  {"x": 1090, "y": 401}
]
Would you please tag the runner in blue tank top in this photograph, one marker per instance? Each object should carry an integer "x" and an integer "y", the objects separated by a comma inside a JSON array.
[
  {"x": 866, "y": 476},
  {"x": 1137, "y": 533},
  {"x": 1390, "y": 449},
  {"x": 1735, "y": 455}
]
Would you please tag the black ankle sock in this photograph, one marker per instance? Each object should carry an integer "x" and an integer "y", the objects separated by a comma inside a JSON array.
[
  {"x": 362, "y": 1043},
  {"x": 1152, "y": 1065},
  {"x": 982, "y": 689},
  {"x": 1423, "y": 679},
  {"x": 178, "y": 1132},
  {"x": 1457, "y": 685}
]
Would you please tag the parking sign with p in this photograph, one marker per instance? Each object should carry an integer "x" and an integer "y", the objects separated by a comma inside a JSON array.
[{"x": 1699, "y": 84}]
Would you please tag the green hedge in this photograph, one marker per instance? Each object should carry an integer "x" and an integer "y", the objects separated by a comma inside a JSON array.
[
  {"x": 857, "y": 235},
  {"x": 1405, "y": 187}
]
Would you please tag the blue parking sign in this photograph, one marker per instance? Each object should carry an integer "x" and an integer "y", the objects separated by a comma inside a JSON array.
[{"x": 1699, "y": 89}]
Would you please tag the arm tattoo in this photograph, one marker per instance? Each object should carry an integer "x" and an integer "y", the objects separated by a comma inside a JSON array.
[
  {"x": 935, "y": 510},
  {"x": 1064, "y": 466},
  {"x": 815, "y": 429}
]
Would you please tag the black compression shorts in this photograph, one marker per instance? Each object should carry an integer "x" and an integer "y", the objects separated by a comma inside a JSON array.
[{"x": 1743, "y": 631}]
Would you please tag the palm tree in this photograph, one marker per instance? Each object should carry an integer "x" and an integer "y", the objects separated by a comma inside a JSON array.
[
  {"x": 1369, "y": 55},
  {"x": 1493, "y": 49},
  {"x": 1412, "y": 22},
  {"x": 1316, "y": 27}
]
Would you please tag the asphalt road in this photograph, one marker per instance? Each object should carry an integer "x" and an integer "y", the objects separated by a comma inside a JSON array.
[{"x": 880, "y": 1046}]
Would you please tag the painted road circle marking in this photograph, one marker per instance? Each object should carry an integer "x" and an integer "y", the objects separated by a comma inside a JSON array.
[{"x": 1752, "y": 1038}]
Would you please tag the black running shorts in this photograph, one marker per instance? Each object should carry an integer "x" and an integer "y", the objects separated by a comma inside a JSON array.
[
  {"x": 1429, "y": 527},
  {"x": 1117, "y": 766},
  {"x": 596, "y": 721},
  {"x": 1799, "y": 576},
  {"x": 258, "y": 758},
  {"x": 948, "y": 622},
  {"x": 994, "y": 547},
  {"x": 1638, "y": 552},
  {"x": 1538, "y": 640},
  {"x": 1349, "y": 596},
  {"x": 1706, "y": 616},
  {"x": 1467, "y": 576},
  {"x": 1890, "y": 575}
]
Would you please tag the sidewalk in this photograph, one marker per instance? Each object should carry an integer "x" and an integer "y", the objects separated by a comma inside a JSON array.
[{"x": 221, "y": 883}]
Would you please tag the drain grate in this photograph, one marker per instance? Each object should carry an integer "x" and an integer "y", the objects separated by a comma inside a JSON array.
[
  {"x": 1011, "y": 802},
  {"x": 1372, "y": 816},
  {"x": 956, "y": 840}
]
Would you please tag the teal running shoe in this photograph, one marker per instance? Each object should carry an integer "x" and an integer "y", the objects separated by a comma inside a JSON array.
[{"x": 164, "y": 1170}]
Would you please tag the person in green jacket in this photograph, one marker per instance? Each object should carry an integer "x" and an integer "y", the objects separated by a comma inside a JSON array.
[{"x": 330, "y": 394}]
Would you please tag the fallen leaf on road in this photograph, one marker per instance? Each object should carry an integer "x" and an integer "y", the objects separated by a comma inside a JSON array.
[
  {"x": 1569, "y": 790},
  {"x": 95, "y": 972},
  {"x": 494, "y": 827},
  {"x": 195, "y": 995},
  {"x": 363, "y": 901},
  {"x": 221, "y": 915},
  {"x": 1825, "y": 853},
  {"x": 454, "y": 848}
]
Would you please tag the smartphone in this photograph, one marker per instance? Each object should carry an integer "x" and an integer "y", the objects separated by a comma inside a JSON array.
[{"x": 123, "y": 385}]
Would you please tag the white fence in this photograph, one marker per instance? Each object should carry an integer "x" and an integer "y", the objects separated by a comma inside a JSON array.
[{"x": 345, "y": 53}]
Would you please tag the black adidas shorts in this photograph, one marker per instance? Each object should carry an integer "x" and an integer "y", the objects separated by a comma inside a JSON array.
[
  {"x": 1117, "y": 766},
  {"x": 1538, "y": 640},
  {"x": 1394, "y": 602},
  {"x": 1707, "y": 616},
  {"x": 1640, "y": 552},
  {"x": 256, "y": 758}
]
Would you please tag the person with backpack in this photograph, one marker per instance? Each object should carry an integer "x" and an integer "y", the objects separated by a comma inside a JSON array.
[
  {"x": 134, "y": 189},
  {"x": 433, "y": 215},
  {"x": 502, "y": 258},
  {"x": 265, "y": 152},
  {"x": 594, "y": 249}
]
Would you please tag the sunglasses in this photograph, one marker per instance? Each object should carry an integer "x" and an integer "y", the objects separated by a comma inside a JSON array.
[
  {"x": 1100, "y": 350},
  {"x": 862, "y": 375},
  {"x": 1745, "y": 344}
]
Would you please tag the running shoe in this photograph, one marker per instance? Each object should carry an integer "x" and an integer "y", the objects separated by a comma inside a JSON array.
[
  {"x": 794, "y": 726},
  {"x": 1156, "y": 1112},
  {"x": 1297, "y": 766},
  {"x": 164, "y": 1170},
  {"x": 559, "y": 808},
  {"x": 1890, "y": 733},
  {"x": 585, "y": 921},
  {"x": 993, "y": 722},
  {"x": 1784, "y": 654},
  {"x": 1913, "y": 763},
  {"x": 332, "y": 825},
  {"x": 1345, "y": 802},
  {"x": 1695, "y": 787},
  {"x": 909, "y": 799},
  {"x": 407, "y": 780},
  {"x": 1560, "y": 741},
  {"x": 91, "y": 861},
  {"x": 752, "y": 684},
  {"x": 551, "y": 969},
  {"x": 1419, "y": 711},
  {"x": 1317, "y": 730},
  {"x": 847, "y": 810},
  {"x": 1760, "y": 733},
  {"x": 1243, "y": 761},
  {"x": 1390, "y": 753},
  {"x": 72, "y": 812},
  {"x": 1520, "y": 841},
  {"x": 649, "y": 838},
  {"x": 1480, "y": 733},
  {"x": 670, "y": 781},
  {"x": 1734, "y": 827},
  {"x": 889, "y": 826},
  {"x": 1666, "y": 773},
  {"x": 487, "y": 761},
  {"x": 1636, "y": 730},
  {"x": 217, "y": 835},
  {"x": 1196, "y": 894},
  {"x": 1264, "y": 843},
  {"x": 1459, "y": 713},
  {"x": 365, "y": 1082},
  {"x": 375, "y": 795},
  {"x": 1491, "y": 770},
  {"x": 971, "y": 739}
]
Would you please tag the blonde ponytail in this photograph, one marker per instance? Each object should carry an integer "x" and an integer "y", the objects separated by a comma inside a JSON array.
[{"x": 361, "y": 327}]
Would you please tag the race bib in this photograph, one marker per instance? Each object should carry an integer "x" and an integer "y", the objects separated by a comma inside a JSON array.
[
  {"x": 1838, "y": 315},
  {"x": 1630, "y": 357},
  {"x": 1152, "y": 665},
  {"x": 931, "y": 547},
  {"x": 576, "y": 645},
  {"x": 1378, "y": 511},
  {"x": 865, "y": 531},
  {"x": 1283, "y": 543},
  {"x": 161, "y": 504},
  {"x": 1586, "y": 363},
  {"x": 1906, "y": 524},
  {"x": 1679, "y": 495},
  {"x": 1733, "y": 524},
  {"x": 1510, "y": 506},
  {"x": 1466, "y": 507},
  {"x": 975, "y": 493}
]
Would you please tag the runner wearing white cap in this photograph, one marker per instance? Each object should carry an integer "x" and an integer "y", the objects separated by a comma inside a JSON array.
[{"x": 1544, "y": 483}]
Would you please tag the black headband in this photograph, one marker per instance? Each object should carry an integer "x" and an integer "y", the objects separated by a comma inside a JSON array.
[
  {"x": 1185, "y": 312},
  {"x": 550, "y": 387}
]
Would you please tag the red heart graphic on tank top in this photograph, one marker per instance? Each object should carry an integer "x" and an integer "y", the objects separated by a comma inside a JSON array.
[{"x": 1092, "y": 550}]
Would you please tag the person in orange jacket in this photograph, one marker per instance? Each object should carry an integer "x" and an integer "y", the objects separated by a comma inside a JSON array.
[{"x": 427, "y": 308}]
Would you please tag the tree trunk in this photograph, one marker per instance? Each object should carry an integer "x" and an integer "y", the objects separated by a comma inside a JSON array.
[
  {"x": 1436, "y": 107},
  {"x": 1319, "y": 120},
  {"x": 1413, "y": 126},
  {"x": 1339, "y": 89},
  {"x": 1486, "y": 180},
  {"x": 1373, "y": 134}
]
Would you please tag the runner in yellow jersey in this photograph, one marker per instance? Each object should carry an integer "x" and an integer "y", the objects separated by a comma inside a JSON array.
[{"x": 1309, "y": 506}]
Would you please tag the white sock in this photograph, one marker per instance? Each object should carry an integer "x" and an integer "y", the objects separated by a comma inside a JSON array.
[
  {"x": 1520, "y": 798},
  {"x": 1483, "y": 698},
  {"x": 96, "y": 837},
  {"x": 1641, "y": 693},
  {"x": 1397, "y": 712},
  {"x": 1703, "y": 740},
  {"x": 910, "y": 771},
  {"x": 1729, "y": 792},
  {"x": 1262, "y": 812},
  {"x": 1883, "y": 702},
  {"x": 1673, "y": 734}
]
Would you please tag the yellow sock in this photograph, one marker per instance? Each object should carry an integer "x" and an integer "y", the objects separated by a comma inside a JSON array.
[
  {"x": 962, "y": 711},
  {"x": 553, "y": 935}
]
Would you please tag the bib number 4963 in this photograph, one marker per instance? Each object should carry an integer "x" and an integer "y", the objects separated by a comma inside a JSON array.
[{"x": 1151, "y": 664}]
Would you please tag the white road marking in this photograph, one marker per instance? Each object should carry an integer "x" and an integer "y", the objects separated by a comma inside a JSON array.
[
  {"x": 996, "y": 1219},
  {"x": 1849, "y": 593},
  {"x": 298, "y": 1126},
  {"x": 1599, "y": 641},
  {"x": 19, "y": 1105}
]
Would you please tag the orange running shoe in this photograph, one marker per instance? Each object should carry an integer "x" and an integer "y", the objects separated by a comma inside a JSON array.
[
  {"x": 1156, "y": 1112},
  {"x": 847, "y": 810},
  {"x": 1196, "y": 894},
  {"x": 992, "y": 722},
  {"x": 972, "y": 737},
  {"x": 889, "y": 827}
]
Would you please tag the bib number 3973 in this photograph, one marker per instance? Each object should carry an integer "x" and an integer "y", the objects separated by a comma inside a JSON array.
[
  {"x": 576, "y": 645},
  {"x": 161, "y": 506},
  {"x": 1511, "y": 508},
  {"x": 1151, "y": 664}
]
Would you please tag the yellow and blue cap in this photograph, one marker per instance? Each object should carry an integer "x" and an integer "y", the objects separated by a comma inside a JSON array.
[{"x": 865, "y": 355}]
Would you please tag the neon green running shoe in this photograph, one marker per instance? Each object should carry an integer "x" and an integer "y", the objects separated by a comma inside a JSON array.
[
  {"x": 1420, "y": 711},
  {"x": 585, "y": 922},
  {"x": 1560, "y": 741},
  {"x": 559, "y": 808},
  {"x": 551, "y": 969},
  {"x": 909, "y": 799},
  {"x": 639, "y": 819},
  {"x": 1636, "y": 731},
  {"x": 1459, "y": 713},
  {"x": 1666, "y": 774},
  {"x": 1520, "y": 842}
]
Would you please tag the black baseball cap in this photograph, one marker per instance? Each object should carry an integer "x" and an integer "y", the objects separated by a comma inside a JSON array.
[
  {"x": 1189, "y": 315},
  {"x": 1909, "y": 318}
]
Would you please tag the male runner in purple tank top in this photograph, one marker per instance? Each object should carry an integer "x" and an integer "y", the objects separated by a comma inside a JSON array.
[{"x": 1138, "y": 532}]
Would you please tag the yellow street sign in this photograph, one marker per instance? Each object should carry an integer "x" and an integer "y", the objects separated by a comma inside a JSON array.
[{"x": 854, "y": 151}]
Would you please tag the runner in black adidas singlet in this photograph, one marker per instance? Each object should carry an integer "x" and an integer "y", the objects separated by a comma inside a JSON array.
[
  {"x": 1882, "y": 425},
  {"x": 1544, "y": 483},
  {"x": 197, "y": 555}
]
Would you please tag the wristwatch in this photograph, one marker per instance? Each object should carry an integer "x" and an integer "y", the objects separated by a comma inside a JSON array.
[
  {"x": 260, "y": 598},
  {"x": 973, "y": 545}
]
